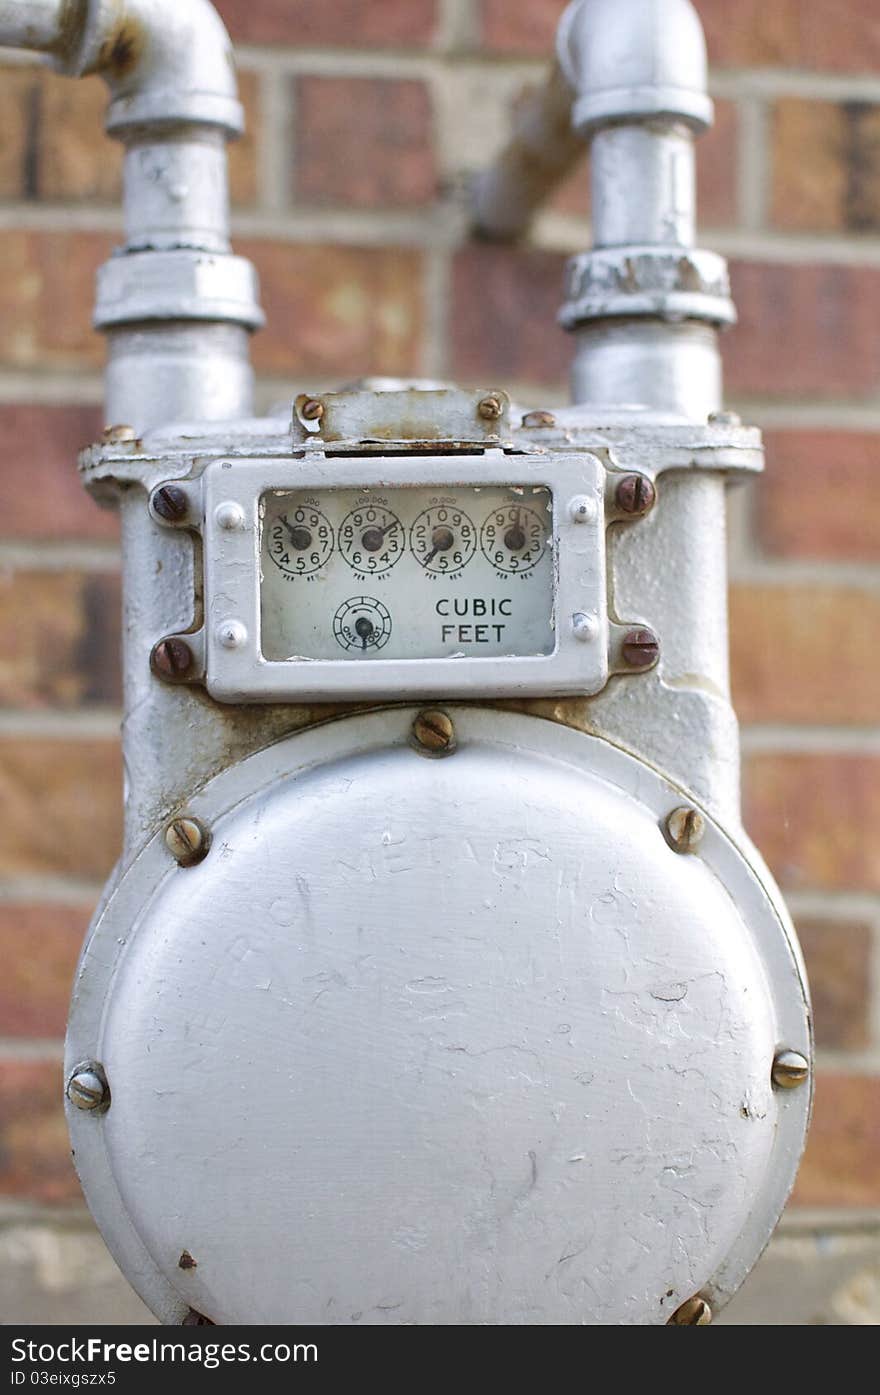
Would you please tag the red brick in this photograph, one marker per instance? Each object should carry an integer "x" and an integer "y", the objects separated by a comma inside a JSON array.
[
  {"x": 41, "y": 494},
  {"x": 61, "y": 639},
  {"x": 816, "y": 818},
  {"x": 39, "y": 948},
  {"x": 826, "y": 166},
  {"x": 815, "y": 34},
  {"x": 46, "y": 299},
  {"x": 340, "y": 23},
  {"x": 18, "y": 94},
  {"x": 338, "y": 312},
  {"x": 62, "y": 807},
  {"x": 842, "y": 1163},
  {"x": 35, "y": 1161},
  {"x": 364, "y": 142},
  {"x": 505, "y": 302},
  {"x": 819, "y": 497},
  {"x": 755, "y": 33},
  {"x": 717, "y": 168},
  {"x": 520, "y": 26},
  {"x": 804, "y": 654},
  {"x": 810, "y": 330},
  {"x": 839, "y": 965},
  {"x": 843, "y": 36}
]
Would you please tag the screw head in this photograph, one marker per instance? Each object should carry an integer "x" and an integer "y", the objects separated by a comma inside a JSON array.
[
  {"x": 535, "y": 420},
  {"x": 232, "y": 634},
  {"x": 188, "y": 840},
  {"x": 635, "y": 495},
  {"x": 87, "y": 1088},
  {"x": 491, "y": 408},
  {"x": 694, "y": 1313},
  {"x": 583, "y": 509},
  {"x": 585, "y": 627},
  {"x": 171, "y": 660},
  {"x": 686, "y": 829},
  {"x": 118, "y": 435},
  {"x": 312, "y": 410},
  {"x": 169, "y": 502},
  {"x": 790, "y": 1070},
  {"x": 433, "y": 733},
  {"x": 640, "y": 650},
  {"x": 229, "y": 517}
]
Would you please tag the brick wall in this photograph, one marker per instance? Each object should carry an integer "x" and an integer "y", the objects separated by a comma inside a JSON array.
[{"x": 364, "y": 118}]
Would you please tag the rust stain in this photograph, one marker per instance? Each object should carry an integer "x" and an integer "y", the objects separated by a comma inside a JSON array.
[{"x": 121, "y": 50}]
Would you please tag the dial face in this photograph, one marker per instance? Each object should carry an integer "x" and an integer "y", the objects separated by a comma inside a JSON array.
[
  {"x": 362, "y": 625},
  {"x": 414, "y": 572},
  {"x": 514, "y": 538},
  {"x": 300, "y": 540},
  {"x": 443, "y": 539},
  {"x": 371, "y": 539}
]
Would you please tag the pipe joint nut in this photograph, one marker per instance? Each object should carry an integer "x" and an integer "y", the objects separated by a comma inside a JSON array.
[
  {"x": 137, "y": 287},
  {"x": 666, "y": 283}
]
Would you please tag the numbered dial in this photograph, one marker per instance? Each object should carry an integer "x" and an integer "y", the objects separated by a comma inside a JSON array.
[
  {"x": 443, "y": 539},
  {"x": 362, "y": 625},
  {"x": 514, "y": 539},
  {"x": 300, "y": 541},
  {"x": 371, "y": 539}
]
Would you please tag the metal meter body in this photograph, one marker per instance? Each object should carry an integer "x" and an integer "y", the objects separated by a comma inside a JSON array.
[{"x": 433, "y": 1014}]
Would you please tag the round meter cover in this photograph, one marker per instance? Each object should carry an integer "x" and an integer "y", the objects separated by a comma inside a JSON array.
[{"x": 421, "y": 1041}]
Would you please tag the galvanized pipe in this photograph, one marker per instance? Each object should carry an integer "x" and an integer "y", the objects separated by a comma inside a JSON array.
[
  {"x": 644, "y": 185},
  {"x": 30, "y": 24},
  {"x": 177, "y": 307}
]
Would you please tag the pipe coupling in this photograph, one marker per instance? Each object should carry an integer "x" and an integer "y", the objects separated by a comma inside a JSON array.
[
  {"x": 665, "y": 283},
  {"x": 177, "y": 285}
]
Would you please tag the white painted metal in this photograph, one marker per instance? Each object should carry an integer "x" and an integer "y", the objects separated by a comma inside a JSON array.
[
  {"x": 438, "y": 1042},
  {"x": 575, "y": 584}
]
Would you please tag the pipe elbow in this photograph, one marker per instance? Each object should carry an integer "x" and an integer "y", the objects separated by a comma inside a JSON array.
[
  {"x": 631, "y": 60},
  {"x": 166, "y": 62}
]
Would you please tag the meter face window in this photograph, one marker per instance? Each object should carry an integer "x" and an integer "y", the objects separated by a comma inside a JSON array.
[{"x": 407, "y": 573}]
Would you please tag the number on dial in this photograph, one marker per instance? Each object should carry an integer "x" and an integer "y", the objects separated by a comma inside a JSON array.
[
  {"x": 300, "y": 541},
  {"x": 443, "y": 539},
  {"x": 514, "y": 538},
  {"x": 371, "y": 539}
]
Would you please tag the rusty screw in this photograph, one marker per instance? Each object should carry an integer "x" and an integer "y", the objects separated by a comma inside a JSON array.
[
  {"x": 790, "y": 1069},
  {"x": 635, "y": 495},
  {"x": 535, "y": 420},
  {"x": 686, "y": 829},
  {"x": 434, "y": 733},
  {"x": 87, "y": 1088},
  {"x": 640, "y": 650},
  {"x": 188, "y": 840},
  {"x": 170, "y": 503},
  {"x": 118, "y": 435},
  {"x": 694, "y": 1313},
  {"x": 172, "y": 660},
  {"x": 312, "y": 410},
  {"x": 491, "y": 408}
]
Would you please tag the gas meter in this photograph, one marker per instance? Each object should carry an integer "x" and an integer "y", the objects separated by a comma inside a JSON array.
[{"x": 438, "y": 982}]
